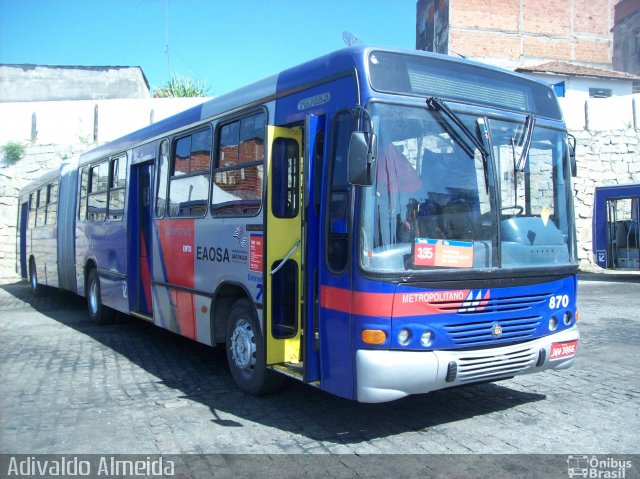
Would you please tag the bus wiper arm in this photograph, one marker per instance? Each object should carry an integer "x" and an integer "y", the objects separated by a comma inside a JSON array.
[
  {"x": 526, "y": 145},
  {"x": 435, "y": 103}
]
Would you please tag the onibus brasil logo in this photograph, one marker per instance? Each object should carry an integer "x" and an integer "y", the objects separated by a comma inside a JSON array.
[{"x": 594, "y": 467}]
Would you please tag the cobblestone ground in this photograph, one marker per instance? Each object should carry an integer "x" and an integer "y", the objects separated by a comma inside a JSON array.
[{"x": 70, "y": 387}]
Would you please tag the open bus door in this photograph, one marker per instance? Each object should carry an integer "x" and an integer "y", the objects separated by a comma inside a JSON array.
[{"x": 283, "y": 211}]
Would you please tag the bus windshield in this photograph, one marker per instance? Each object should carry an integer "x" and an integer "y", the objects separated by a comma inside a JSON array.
[{"x": 439, "y": 202}]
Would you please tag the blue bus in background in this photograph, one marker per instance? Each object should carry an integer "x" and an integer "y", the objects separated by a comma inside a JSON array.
[
  {"x": 375, "y": 223},
  {"x": 616, "y": 226}
]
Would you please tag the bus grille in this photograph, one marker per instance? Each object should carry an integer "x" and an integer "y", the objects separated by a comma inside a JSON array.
[
  {"x": 516, "y": 315},
  {"x": 480, "y": 332},
  {"x": 486, "y": 368}
]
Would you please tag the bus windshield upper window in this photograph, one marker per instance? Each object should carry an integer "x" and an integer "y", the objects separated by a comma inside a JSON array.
[{"x": 428, "y": 76}]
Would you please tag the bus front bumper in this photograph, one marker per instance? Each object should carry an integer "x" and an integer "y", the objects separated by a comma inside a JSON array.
[{"x": 384, "y": 375}]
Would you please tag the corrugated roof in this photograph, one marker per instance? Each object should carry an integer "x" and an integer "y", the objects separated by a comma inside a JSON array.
[{"x": 564, "y": 68}]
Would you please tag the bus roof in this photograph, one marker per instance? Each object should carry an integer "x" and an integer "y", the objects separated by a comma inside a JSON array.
[{"x": 337, "y": 62}]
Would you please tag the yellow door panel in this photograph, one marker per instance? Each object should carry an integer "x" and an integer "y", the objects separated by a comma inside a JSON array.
[{"x": 284, "y": 246}]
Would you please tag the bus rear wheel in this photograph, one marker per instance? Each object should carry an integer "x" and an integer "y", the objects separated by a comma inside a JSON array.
[
  {"x": 98, "y": 312},
  {"x": 36, "y": 288},
  {"x": 246, "y": 352}
]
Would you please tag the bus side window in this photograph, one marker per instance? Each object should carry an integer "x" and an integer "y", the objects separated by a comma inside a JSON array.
[
  {"x": 239, "y": 172},
  {"x": 97, "y": 197},
  {"x": 189, "y": 182},
  {"x": 84, "y": 182},
  {"x": 161, "y": 185},
  {"x": 117, "y": 182},
  {"x": 42, "y": 207},
  {"x": 52, "y": 203},
  {"x": 339, "y": 197},
  {"x": 32, "y": 210}
]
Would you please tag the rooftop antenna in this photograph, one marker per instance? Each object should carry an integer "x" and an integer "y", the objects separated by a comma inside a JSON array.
[{"x": 350, "y": 39}]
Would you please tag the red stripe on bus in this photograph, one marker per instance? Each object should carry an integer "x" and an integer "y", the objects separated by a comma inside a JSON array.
[
  {"x": 389, "y": 304},
  {"x": 178, "y": 250},
  {"x": 356, "y": 302}
]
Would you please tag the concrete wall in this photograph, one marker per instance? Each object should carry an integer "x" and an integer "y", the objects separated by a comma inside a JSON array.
[
  {"x": 71, "y": 122},
  {"x": 57, "y": 83},
  {"x": 604, "y": 158},
  {"x": 601, "y": 114}
]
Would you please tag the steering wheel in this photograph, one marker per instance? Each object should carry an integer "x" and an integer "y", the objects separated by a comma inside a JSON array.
[{"x": 518, "y": 209}]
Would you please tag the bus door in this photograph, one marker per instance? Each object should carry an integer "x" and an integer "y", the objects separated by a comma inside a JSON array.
[
  {"x": 24, "y": 220},
  {"x": 335, "y": 262},
  {"x": 283, "y": 299},
  {"x": 314, "y": 160},
  {"x": 140, "y": 281}
]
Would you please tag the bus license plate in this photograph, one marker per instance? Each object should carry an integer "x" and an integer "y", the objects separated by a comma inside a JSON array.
[{"x": 562, "y": 350}]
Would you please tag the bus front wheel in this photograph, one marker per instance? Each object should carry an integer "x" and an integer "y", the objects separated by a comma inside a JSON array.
[
  {"x": 98, "y": 313},
  {"x": 246, "y": 352}
]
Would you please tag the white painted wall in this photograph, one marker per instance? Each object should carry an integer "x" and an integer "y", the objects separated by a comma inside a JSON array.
[{"x": 72, "y": 122}]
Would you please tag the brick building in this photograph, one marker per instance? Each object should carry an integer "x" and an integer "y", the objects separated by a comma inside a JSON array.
[{"x": 516, "y": 33}]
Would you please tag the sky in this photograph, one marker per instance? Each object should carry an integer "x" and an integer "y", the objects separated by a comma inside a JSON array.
[{"x": 224, "y": 43}]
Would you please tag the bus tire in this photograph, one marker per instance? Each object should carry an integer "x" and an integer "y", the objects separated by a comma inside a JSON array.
[
  {"x": 98, "y": 312},
  {"x": 36, "y": 288},
  {"x": 246, "y": 352}
]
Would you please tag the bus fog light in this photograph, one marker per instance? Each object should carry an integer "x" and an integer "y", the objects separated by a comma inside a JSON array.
[
  {"x": 404, "y": 337},
  {"x": 553, "y": 323},
  {"x": 426, "y": 339},
  {"x": 567, "y": 318}
]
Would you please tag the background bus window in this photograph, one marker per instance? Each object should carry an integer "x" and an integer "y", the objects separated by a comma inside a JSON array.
[
  {"x": 32, "y": 209},
  {"x": 339, "y": 207},
  {"x": 286, "y": 178},
  {"x": 238, "y": 176},
  {"x": 117, "y": 182},
  {"x": 84, "y": 183},
  {"x": 97, "y": 197},
  {"x": 189, "y": 184},
  {"x": 161, "y": 186},
  {"x": 52, "y": 203},
  {"x": 41, "y": 212}
]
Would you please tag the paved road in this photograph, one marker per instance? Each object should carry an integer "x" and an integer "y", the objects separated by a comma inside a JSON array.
[{"x": 70, "y": 387}]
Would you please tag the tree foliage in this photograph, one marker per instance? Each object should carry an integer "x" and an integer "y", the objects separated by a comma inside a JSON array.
[
  {"x": 13, "y": 151},
  {"x": 181, "y": 87}
]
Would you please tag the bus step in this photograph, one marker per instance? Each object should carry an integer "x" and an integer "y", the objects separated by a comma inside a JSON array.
[{"x": 293, "y": 370}]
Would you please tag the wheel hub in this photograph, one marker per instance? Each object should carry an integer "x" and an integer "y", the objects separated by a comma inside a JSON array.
[{"x": 243, "y": 347}]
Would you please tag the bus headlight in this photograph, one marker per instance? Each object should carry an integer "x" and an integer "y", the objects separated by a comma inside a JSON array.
[
  {"x": 567, "y": 318},
  {"x": 404, "y": 336},
  {"x": 426, "y": 339},
  {"x": 553, "y": 323}
]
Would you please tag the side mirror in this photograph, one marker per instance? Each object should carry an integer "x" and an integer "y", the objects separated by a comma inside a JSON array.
[
  {"x": 571, "y": 141},
  {"x": 362, "y": 147}
]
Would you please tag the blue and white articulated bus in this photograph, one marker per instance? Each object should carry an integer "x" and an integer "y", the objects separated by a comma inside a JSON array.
[{"x": 375, "y": 223}]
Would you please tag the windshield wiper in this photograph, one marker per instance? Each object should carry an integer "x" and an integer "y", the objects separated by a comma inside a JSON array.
[
  {"x": 435, "y": 103},
  {"x": 529, "y": 123}
]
